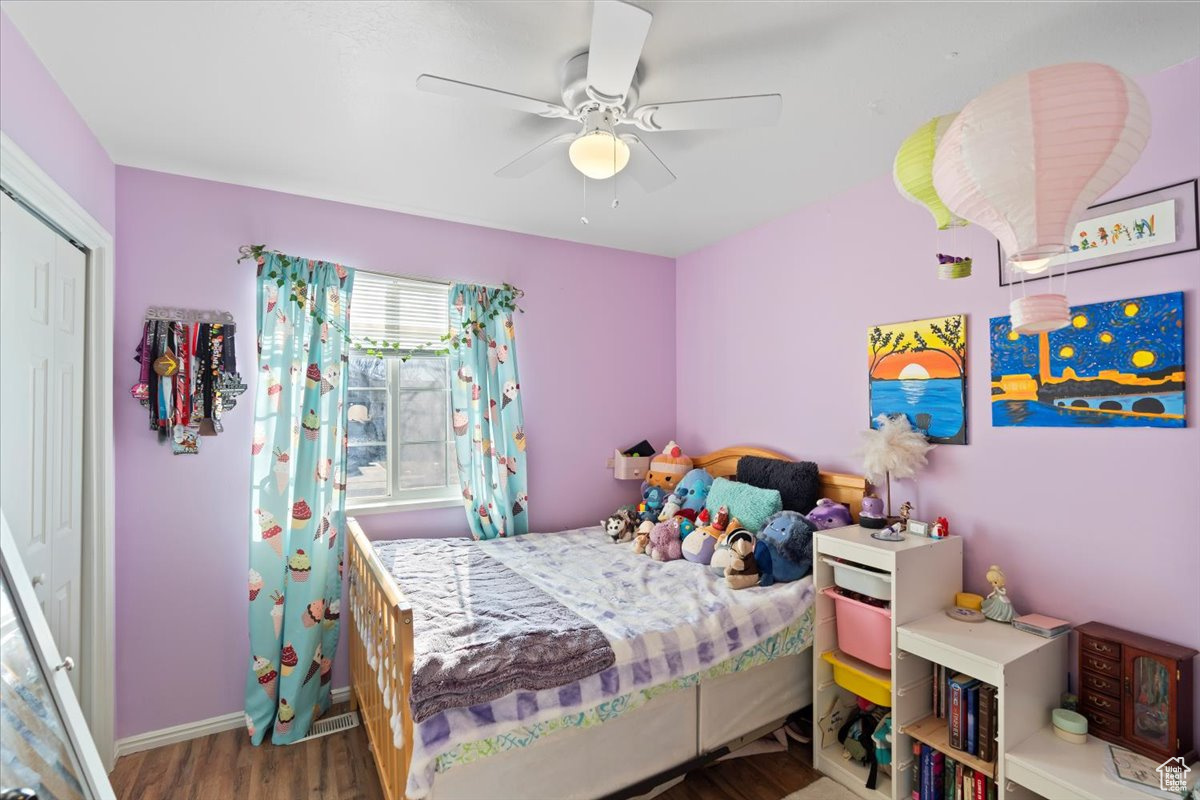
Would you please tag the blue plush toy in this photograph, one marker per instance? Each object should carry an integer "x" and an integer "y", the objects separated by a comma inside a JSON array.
[
  {"x": 652, "y": 503},
  {"x": 784, "y": 551},
  {"x": 693, "y": 490}
]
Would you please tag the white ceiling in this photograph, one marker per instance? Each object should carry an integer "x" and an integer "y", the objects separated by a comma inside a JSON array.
[{"x": 318, "y": 98}]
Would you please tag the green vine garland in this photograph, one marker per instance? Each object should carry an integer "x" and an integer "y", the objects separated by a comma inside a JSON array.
[{"x": 291, "y": 272}]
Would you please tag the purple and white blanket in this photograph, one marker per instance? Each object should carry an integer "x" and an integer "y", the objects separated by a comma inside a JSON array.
[
  {"x": 481, "y": 631},
  {"x": 662, "y": 620}
]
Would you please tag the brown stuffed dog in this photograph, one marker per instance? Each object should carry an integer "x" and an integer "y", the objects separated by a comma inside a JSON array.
[{"x": 742, "y": 570}]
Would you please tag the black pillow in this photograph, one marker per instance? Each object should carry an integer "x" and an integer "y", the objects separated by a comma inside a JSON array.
[{"x": 798, "y": 482}]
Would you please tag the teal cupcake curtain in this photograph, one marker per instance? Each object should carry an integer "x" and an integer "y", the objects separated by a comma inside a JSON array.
[
  {"x": 489, "y": 427},
  {"x": 298, "y": 496}
]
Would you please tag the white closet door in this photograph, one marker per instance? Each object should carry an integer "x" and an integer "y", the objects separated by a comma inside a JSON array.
[{"x": 41, "y": 412}]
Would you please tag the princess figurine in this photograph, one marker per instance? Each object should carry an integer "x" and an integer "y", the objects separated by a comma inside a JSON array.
[{"x": 997, "y": 606}]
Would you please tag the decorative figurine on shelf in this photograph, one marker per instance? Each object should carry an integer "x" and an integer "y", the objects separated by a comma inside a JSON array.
[
  {"x": 906, "y": 512},
  {"x": 941, "y": 528},
  {"x": 892, "y": 533},
  {"x": 872, "y": 515},
  {"x": 997, "y": 606}
]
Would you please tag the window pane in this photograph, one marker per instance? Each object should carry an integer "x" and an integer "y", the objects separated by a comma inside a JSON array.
[
  {"x": 424, "y": 373},
  {"x": 368, "y": 371},
  {"x": 367, "y": 416},
  {"x": 422, "y": 465},
  {"x": 367, "y": 472},
  {"x": 423, "y": 416}
]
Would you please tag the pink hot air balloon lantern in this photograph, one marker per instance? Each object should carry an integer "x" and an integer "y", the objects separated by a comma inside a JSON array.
[{"x": 1026, "y": 158}]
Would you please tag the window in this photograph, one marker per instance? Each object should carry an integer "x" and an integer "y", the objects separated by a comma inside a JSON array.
[{"x": 401, "y": 449}]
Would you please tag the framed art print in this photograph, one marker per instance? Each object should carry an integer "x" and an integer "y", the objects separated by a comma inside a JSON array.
[
  {"x": 919, "y": 369},
  {"x": 1140, "y": 227}
]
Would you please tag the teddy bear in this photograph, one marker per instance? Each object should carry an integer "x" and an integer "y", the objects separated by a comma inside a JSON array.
[
  {"x": 742, "y": 570},
  {"x": 620, "y": 526},
  {"x": 665, "y": 544},
  {"x": 829, "y": 514},
  {"x": 784, "y": 550}
]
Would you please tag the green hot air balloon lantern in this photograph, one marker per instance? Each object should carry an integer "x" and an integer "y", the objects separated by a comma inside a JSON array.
[
  {"x": 913, "y": 173},
  {"x": 913, "y": 170}
]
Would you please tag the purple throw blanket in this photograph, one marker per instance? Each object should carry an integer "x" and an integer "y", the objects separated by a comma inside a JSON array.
[{"x": 481, "y": 631}]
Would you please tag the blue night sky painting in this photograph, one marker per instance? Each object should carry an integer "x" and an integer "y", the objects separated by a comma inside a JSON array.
[{"x": 1118, "y": 364}]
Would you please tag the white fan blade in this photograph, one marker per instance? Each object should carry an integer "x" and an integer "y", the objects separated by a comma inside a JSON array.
[
  {"x": 618, "y": 33},
  {"x": 753, "y": 111},
  {"x": 537, "y": 157},
  {"x": 644, "y": 166},
  {"x": 469, "y": 91}
]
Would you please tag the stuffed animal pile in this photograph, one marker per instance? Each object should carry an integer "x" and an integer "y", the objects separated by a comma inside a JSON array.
[{"x": 672, "y": 522}]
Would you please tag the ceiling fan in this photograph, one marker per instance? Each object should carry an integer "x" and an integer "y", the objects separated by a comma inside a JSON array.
[{"x": 600, "y": 91}]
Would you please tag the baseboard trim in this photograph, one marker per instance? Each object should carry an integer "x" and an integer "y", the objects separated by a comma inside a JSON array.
[{"x": 194, "y": 730}]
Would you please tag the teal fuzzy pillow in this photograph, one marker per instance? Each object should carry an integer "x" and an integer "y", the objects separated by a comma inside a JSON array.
[{"x": 751, "y": 505}]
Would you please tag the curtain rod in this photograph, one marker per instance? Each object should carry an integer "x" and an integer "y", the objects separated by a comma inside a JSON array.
[{"x": 245, "y": 249}]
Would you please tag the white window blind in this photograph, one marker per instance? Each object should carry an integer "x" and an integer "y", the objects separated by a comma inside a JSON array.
[
  {"x": 407, "y": 312},
  {"x": 401, "y": 446}
]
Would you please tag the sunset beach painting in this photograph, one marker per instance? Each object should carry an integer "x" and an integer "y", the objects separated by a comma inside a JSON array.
[
  {"x": 919, "y": 369},
  {"x": 1118, "y": 364}
]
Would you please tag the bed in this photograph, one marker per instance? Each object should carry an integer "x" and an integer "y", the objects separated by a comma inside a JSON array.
[{"x": 734, "y": 667}]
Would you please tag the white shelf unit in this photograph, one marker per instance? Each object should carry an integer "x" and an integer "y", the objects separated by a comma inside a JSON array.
[
  {"x": 925, "y": 574},
  {"x": 1054, "y": 768},
  {"x": 1029, "y": 673}
]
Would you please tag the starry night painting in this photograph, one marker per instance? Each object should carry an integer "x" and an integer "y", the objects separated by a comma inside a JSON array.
[{"x": 1118, "y": 364}]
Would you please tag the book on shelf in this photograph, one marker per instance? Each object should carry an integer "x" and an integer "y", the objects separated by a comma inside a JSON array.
[
  {"x": 937, "y": 676},
  {"x": 957, "y": 723},
  {"x": 926, "y": 771},
  {"x": 1041, "y": 625},
  {"x": 972, "y": 732},
  {"x": 950, "y": 778},
  {"x": 931, "y": 782},
  {"x": 987, "y": 717},
  {"x": 980, "y": 786}
]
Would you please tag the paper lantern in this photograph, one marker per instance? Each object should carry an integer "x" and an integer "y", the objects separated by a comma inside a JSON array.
[
  {"x": 912, "y": 170},
  {"x": 1027, "y": 157},
  {"x": 1040, "y": 313}
]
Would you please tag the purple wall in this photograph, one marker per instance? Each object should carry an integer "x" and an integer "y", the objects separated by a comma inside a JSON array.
[
  {"x": 1087, "y": 524},
  {"x": 1121, "y": 504},
  {"x": 36, "y": 115},
  {"x": 182, "y": 520}
]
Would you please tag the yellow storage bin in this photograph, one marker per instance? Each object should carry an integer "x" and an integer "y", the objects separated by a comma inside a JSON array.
[{"x": 860, "y": 678}]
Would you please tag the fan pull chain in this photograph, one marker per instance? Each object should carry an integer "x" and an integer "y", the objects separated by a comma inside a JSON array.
[
  {"x": 612, "y": 129},
  {"x": 583, "y": 217}
]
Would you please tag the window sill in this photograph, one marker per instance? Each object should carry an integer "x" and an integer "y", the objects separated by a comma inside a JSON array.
[{"x": 393, "y": 506}]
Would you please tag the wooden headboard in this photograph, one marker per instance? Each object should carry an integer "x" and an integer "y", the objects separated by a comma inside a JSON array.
[{"x": 840, "y": 486}]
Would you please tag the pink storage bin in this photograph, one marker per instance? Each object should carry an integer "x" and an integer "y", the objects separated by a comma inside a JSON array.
[{"x": 864, "y": 631}]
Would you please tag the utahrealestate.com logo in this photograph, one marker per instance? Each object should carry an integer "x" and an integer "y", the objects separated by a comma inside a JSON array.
[{"x": 1172, "y": 775}]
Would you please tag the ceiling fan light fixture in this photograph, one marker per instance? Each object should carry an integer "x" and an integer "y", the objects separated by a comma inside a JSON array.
[{"x": 599, "y": 155}]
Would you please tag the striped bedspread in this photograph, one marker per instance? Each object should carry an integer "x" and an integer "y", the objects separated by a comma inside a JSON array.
[{"x": 663, "y": 620}]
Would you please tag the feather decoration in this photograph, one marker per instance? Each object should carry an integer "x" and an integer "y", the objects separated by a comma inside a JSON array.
[{"x": 894, "y": 449}]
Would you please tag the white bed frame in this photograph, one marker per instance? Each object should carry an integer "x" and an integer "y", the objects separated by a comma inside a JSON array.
[{"x": 670, "y": 733}]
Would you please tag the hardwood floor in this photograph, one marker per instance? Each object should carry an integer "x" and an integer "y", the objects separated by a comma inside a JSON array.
[
  {"x": 224, "y": 766},
  {"x": 769, "y": 776}
]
